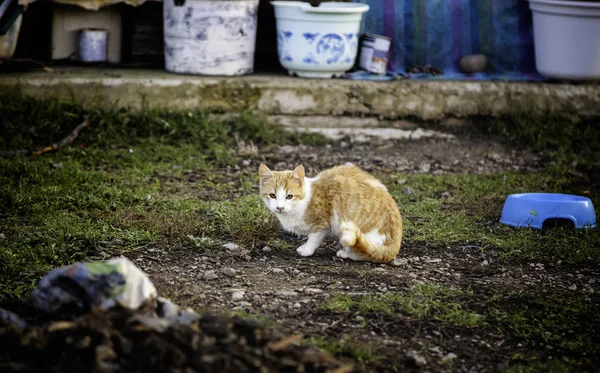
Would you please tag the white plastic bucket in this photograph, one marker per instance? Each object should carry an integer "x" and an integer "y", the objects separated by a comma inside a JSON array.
[
  {"x": 318, "y": 42},
  {"x": 210, "y": 37},
  {"x": 567, "y": 38}
]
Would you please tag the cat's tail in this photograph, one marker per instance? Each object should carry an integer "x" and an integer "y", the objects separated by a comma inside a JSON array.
[{"x": 370, "y": 248}]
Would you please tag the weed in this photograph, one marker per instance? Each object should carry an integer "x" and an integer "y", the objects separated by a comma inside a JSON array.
[
  {"x": 346, "y": 349},
  {"x": 421, "y": 301}
]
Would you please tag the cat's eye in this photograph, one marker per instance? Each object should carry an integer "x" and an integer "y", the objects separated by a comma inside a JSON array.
[
  {"x": 272, "y": 195},
  {"x": 289, "y": 196}
]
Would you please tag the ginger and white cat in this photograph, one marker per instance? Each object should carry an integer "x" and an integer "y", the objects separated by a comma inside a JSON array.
[{"x": 344, "y": 200}]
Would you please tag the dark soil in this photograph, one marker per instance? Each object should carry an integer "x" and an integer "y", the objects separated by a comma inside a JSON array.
[
  {"x": 125, "y": 341},
  {"x": 288, "y": 292}
]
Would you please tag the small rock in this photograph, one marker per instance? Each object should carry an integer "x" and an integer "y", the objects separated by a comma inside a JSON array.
[
  {"x": 287, "y": 294},
  {"x": 286, "y": 149},
  {"x": 399, "y": 262},
  {"x": 278, "y": 271},
  {"x": 210, "y": 275},
  {"x": 473, "y": 63},
  {"x": 485, "y": 263},
  {"x": 359, "y": 318},
  {"x": 408, "y": 191},
  {"x": 237, "y": 295},
  {"x": 493, "y": 156},
  {"x": 435, "y": 350},
  {"x": 231, "y": 246},
  {"x": 228, "y": 272},
  {"x": 446, "y": 194},
  {"x": 414, "y": 259},
  {"x": 313, "y": 291},
  {"x": 415, "y": 358},
  {"x": 256, "y": 299},
  {"x": 297, "y": 305},
  {"x": 57, "y": 165},
  {"x": 266, "y": 249},
  {"x": 436, "y": 260},
  {"x": 401, "y": 181},
  {"x": 448, "y": 358},
  {"x": 246, "y": 162},
  {"x": 379, "y": 269},
  {"x": 573, "y": 287},
  {"x": 425, "y": 167},
  {"x": 437, "y": 172},
  {"x": 2, "y": 236}
]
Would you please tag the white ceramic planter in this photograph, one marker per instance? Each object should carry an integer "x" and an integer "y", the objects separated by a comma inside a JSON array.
[
  {"x": 318, "y": 42},
  {"x": 567, "y": 38},
  {"x": 210, "y": 37}
]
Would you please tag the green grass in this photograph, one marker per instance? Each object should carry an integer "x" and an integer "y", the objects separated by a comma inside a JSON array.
[
  {"x": 470, "y": 216},
  {"x": 124, "y": 183},
  {"x": 421, "y": 301},
  {"x": 363, "y": 354},
  {"x": 563, "y": 322}
]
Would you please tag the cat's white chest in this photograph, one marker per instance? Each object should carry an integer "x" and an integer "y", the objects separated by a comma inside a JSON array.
[{"x": 293, "y": 222}]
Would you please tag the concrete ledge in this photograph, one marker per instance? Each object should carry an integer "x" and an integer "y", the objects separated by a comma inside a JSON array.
[{"x": 280, "y": 95}]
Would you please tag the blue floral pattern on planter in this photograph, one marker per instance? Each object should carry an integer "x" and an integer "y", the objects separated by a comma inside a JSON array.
[
  {"x": 326, "y": 49},
  {"x": 332, "y": 47},
  {"x": 310, "y": 37},
  {"x": 282, "y": 40},
  {"x": 310, "y": 59}
]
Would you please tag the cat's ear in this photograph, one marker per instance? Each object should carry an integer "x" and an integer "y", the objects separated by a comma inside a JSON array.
[
  {"x": 298, "y": 173},
  {"x": 264, "y": 173}
]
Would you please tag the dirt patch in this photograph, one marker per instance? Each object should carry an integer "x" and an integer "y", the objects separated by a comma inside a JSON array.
[
  {"x": 436, "y": 156},
  {"x": 124, "y": 341},
  {"x": 291, "y": 291}
]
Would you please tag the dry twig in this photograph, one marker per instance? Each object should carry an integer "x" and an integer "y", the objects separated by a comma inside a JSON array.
[
  {"x": 57, "y": 145},
  {"x": 285, "y": 342}
]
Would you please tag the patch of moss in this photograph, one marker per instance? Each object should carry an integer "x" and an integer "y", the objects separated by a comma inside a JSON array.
[{"x": 421, "y": 301}]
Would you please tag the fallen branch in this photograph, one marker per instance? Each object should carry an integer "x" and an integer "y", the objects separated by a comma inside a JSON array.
[
  {"x": 285, "y": 342},
  {"x": 64, "y": 142},
  {"x": 57, "y": 145}
]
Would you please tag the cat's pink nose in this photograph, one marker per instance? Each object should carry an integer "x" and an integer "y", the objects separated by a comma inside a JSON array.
[{"x": 280, "y": 208}]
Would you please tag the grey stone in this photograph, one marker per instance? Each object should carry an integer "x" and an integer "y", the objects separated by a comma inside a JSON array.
[
  {"x": 228, "y": 272},
  {"x": 399, "y": 262},
  {"x": 473, "y": 63},
  {"x": 287, "y": 294},
  {"x": 231, "y": 246},
  {"x": 448, "y": 358},
  {"x": 210, "y": 275},
  {"x": 238, "y": 295},
  {"x": 417, "y": 359}
]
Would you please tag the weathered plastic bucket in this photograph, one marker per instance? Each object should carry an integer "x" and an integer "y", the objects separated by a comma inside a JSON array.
[
  {"x": 210, "y": 37},
  {"x": 567, "y": 38}
]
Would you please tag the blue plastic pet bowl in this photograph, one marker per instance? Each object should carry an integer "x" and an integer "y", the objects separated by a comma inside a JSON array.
[{"x": 532, "y": 209}]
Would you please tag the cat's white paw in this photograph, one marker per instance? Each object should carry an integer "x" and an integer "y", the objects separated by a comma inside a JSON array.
[
  {"x": 305, "y": 250},
  {"x": 342, "y": 253}
]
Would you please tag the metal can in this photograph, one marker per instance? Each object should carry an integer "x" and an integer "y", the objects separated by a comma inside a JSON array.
[
  {"x": 374, "y": 53},
  {"x": 93, "y": 45}
]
